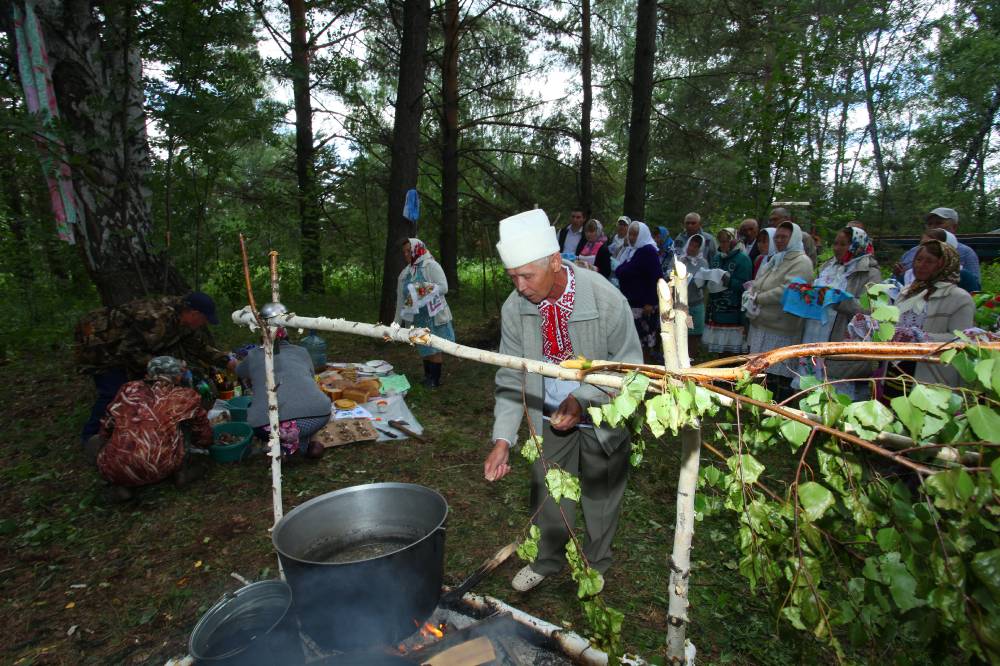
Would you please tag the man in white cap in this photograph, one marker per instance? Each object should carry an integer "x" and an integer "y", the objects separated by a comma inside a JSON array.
[
  {"x": 947, "y": 219},
  {"x": 557, "y": 313}
]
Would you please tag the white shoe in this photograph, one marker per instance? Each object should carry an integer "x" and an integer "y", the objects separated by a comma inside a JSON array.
[{"x": 526, "y": 579}]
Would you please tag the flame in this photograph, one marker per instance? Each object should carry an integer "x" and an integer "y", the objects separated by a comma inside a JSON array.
[{"x": 429, "y": 630}]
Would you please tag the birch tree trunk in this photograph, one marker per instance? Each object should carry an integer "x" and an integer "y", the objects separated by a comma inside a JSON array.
[
  {"x": 405, "y": 148},
  {"x": 96, "y": 71}
]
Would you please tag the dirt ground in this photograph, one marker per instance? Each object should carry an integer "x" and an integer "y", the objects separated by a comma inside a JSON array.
[{"x": 83, "y": 581}]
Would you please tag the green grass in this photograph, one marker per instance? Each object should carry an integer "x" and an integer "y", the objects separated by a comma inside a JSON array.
[{"x": 150, "y": 569}]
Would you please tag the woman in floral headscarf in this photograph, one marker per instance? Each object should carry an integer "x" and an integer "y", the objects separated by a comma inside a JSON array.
[
  {"x": 420, "y": 302},
  {"x": 933, "y": 307},
  {"x": 852, "y": 268}
]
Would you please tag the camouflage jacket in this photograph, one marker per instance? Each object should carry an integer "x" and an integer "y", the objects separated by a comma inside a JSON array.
[{"x": 128, "y": 336}]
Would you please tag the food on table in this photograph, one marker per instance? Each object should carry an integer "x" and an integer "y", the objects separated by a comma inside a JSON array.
[{"x": 345, "y": 403}]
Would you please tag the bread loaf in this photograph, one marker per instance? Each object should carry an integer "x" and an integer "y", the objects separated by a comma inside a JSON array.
[{"x": 358, "y": 396}]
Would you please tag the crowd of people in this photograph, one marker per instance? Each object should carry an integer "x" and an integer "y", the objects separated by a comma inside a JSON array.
[{"x": 742, "y": 280}]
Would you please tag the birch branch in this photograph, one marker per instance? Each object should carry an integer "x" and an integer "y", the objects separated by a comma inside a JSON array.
[{"x": 422, "y": 336}]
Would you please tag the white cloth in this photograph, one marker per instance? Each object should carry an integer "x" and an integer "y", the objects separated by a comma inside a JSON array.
[
  {"x": 712, "y": 278},
  {"x": 526, "y": 237}
]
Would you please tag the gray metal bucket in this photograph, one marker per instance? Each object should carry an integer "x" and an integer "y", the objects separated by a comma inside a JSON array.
[{"x": 237, "y": 629}]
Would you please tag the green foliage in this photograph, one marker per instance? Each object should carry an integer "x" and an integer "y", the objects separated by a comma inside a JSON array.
[
  {"x": 856, "y": 556},
  {"x": 527, "y": 550}
]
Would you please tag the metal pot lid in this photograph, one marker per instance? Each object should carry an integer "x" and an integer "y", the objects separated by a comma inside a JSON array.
[{"x": 261, "y": 606}]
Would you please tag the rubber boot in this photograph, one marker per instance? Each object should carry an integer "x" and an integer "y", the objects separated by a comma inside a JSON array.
[
  {"x": 428, "y": 374},
  {"x": 436, "y": 374}
]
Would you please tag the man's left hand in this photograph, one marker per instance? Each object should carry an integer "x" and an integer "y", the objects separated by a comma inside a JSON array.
[{"x": 568, "y": 415}]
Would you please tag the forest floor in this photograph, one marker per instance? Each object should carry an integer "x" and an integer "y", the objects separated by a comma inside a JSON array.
[{"x": 86, "y": 582}]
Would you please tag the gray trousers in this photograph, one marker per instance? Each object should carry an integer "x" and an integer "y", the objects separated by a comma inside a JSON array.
[{"x": 602, "y": 485}]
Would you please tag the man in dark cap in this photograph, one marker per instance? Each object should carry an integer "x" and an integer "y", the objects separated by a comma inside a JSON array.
[{"x": 114, "y": 344}]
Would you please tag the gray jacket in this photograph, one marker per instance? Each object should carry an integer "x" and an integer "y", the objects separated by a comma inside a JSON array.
[
  {"x": 600, "y": 328},
  {"x": 298, "y": 395},
  {"x": 949, "y": 309},
  {"x": 865, "y": 272}
]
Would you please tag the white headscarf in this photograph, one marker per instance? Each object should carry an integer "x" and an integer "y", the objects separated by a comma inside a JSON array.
[
  {"x": 770, "y": 241},
  {"x": 645, "y": 237},
  {"x": 794, "y": 245}
]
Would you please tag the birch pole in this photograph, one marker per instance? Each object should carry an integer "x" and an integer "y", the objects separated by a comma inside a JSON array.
[
  {"x": 274, "y": 441},
  {"x": 254, "y": 319},
  {"x": 676, "y": 318}
]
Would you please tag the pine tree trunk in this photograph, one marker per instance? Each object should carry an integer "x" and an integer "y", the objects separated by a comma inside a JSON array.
[
  {"x": 586, "y": 166},
  {"x": 305, "y": 161},
  {"x": 405, "y": 145},
  {"x": 97, "y": 79},
  {"x": 642, "y": 101},
  {"x": 449, "y": 146}
]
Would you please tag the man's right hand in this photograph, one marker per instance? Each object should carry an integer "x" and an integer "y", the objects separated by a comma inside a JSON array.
[{"x": 497, "y": 466}]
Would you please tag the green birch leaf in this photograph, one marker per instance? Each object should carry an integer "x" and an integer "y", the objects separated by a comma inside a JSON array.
[
  {"x": 611, "y": 414},
  {"x": 528, "y": 549},
  {"x": 995, "y": 468},
  {"x": 885, "y": 332},
  {"x": 995, "y": 379},
  {"x": 636, "y": 384},
  {"x": 870, "y": 417},
  {"x": 947, "y": 355},
  {"x": 796, "y": 433},
  {"x": 792, "y": 614},
  {"x": 910, "y": 416},
  {"x": 703, "y": 400},
  {"x": 966, "y": 368},
  {"x": 758, "y": 393},
  {"x": 815, "y": 500},
  {"x": 986, "y": 567},
  {"x": 985, "y": 423},
  {"x": 626, "y": 405},
  {"x": 930, "y": 399},
  {"x": 532, "y": 448},
  {"x": 888, "y": 539},
  {"x": 596, "y": 415},
  {"x": 902, "y": 585},
  {"x": 589, "y": 583},
  {"x": 886, "y": 313},
  {"x": 562, "y": 484},
  {"x": 984, "y": 372},
  {"x": 747, "y": 469}
]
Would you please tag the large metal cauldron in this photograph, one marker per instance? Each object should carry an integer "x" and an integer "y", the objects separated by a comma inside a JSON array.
[{"x": 364, "y": 563}]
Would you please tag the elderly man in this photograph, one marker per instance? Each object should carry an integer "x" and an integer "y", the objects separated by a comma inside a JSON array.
[
  {"x": 779, "y": 215},
  {"x": 571, "y": 237},
  {"x": 692, "y": 226},
  {"x": 114, "y": 344},
  {"x": 748, "y": 236},
  {"x": 557, "y": 313},
  {"x": 947, "y": 219}
]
